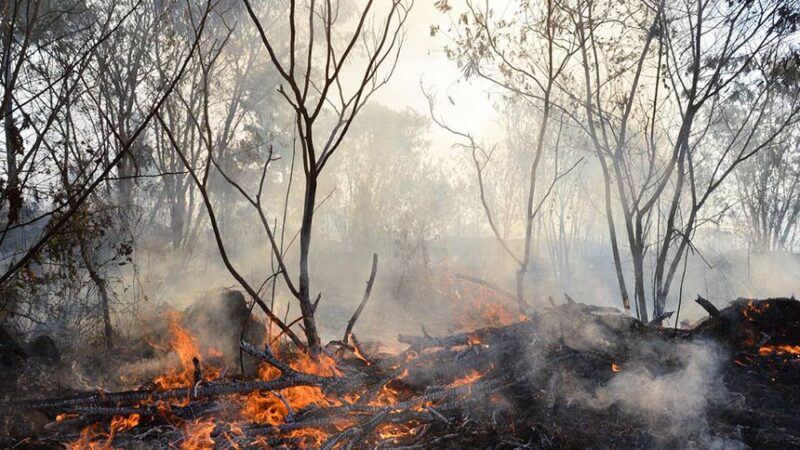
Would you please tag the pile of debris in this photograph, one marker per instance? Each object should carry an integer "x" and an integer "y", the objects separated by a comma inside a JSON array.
[{"x": 569, "y": 376}]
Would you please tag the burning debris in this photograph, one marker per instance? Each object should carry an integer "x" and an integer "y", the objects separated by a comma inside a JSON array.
[{"x": 570, "y": 376}]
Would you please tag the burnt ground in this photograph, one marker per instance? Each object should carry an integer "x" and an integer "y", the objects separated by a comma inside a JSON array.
[
  {"x": 760, "y": 412},
  {"x": 752, "y": 389},
  {"x": 572, "y": 376}
]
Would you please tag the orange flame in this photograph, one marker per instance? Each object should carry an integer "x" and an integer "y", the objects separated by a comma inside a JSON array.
[
  {"x": 186, "y": 348},
  {"x": 779, "y": 350},
  {"x": 752, "y": 310},
  {"x": 474, "y": 306},
  {"x": 198, "y": 435},
  {"x": 615, "y": 367},
  {"x": 395, "y": 431},
  {"x": 90, "y": 435},
  {"x": 468, "y": 379},
  {"x": 268, "y": 408},
  {"x": 387, "y": 396}
]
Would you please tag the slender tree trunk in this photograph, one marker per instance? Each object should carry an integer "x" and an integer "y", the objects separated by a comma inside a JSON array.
[
  {"x": 102, "y": 291},
  {"x": 306, "y": 304},
  {"x": 13, "y": 144},
  {"x": 638, "y": 273},
  {"x": 177, "y": 211},
  {"x": 612, "y": 235}
]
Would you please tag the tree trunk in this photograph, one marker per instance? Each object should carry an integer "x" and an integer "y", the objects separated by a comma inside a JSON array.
[
  {"x": 612, "y": 234},
  {"x": 102, "y": 291},
  {"x": 638, "y": 273},
  {"x": 306, "y": 304},
  {"x": 14, "y": 146},
  {"x": 177, "y": 209}
]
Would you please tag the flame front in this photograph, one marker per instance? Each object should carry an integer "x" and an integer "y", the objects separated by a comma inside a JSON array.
[{"x": 260, "y": 408}]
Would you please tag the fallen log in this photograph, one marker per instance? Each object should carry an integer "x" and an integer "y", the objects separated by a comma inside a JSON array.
[
  {"x": 155, "y": 395},
  {"x": 191, "y": 411}
]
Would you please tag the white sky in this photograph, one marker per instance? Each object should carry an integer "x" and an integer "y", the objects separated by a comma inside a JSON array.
[{"x": 423, "y": 58}]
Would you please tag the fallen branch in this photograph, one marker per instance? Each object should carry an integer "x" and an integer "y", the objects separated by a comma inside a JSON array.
[
  {"x": 190, "y": 393},
  {"x": 708, "y": 306}
]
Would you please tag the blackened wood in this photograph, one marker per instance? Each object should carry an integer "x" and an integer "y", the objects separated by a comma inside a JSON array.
[
  {"x": 350, "y": 323},
  {"x": 708, "y": 306}
]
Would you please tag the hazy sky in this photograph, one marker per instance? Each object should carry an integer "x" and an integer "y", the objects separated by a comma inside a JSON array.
[{"x": 423, "y": 58}]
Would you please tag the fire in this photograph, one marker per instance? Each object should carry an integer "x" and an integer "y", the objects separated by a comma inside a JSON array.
[
  {"x": 234, "y": 430},
  {"x": 779, "y": 350},
  {"x": 474, "y": 340},
  {"x": 120, "y": 423},
  {"x": 186, "y": 348},
  {"x": 474, "y": 305},
  {"x": 361, "y": 356},
  {"x": 94, "y": 437},
  {"x": 311, "y": 437},
  {"x": 266, "y": 408},
  {"x": 615, "y": 367},
  {"x": 395, "y": 431},
  {"x": 198, "y": 435},
  {"x": 468, "y": 379},
  {"x": 388, "y": 395},
  {"x": 752, "y": 310},
  {"x": 87, "y": 439},
  {"x": 270, "y": 408}
]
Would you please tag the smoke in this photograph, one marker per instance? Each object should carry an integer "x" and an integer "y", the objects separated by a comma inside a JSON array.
[
  {"x": 671, "y": 389},
  {"x": 679, "y": 398},
  {"x": 617, "y": 372}
]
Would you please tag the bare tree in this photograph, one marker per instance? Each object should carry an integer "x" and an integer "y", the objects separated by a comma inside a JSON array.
[
  {"x": 697, "y": 52},
  {"x": 768, "y": 185},
  {"x": 320, "y": 80},
  {"x": 503, "y": 53}
]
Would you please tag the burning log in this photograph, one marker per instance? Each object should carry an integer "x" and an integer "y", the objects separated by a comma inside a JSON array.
[
  {"x": 190, "y": 393},
  {"x": 745, "y": 322}
]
